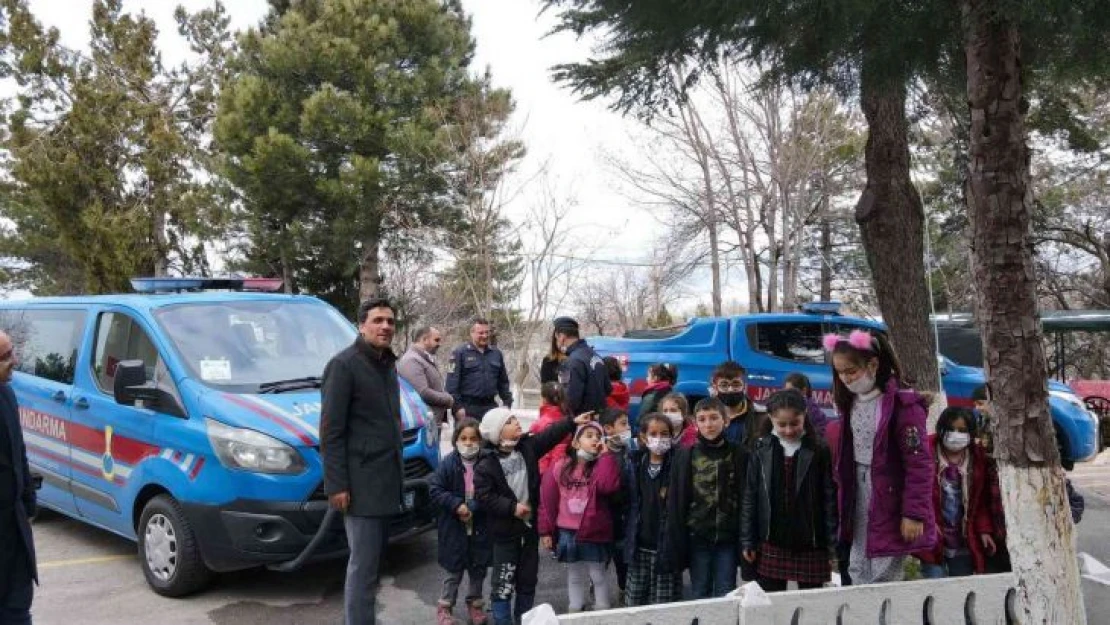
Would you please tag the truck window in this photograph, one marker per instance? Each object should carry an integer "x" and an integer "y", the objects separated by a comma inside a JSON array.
[
  {"x": 45, "y": 340},
  {"x": 788, "y": 340},
  {"x": 119, "y": 338}
]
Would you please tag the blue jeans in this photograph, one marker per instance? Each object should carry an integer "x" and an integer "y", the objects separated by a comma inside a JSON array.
[
  {"x": 366, "y": 537},
  {"x": 956, "y": 566},
  {"x": 712, "y": 568}
]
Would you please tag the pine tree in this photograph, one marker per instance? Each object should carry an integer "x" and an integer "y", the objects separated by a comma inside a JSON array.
[
  {"x": 332, "y": 131},
  {"x": 107, "y": 155}
]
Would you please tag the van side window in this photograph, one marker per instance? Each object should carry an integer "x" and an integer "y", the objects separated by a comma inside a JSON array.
[
  {"x": 46, "y": 340},
  {"x": 790, "y": 340},
  {"x": 119, "y": 338}
]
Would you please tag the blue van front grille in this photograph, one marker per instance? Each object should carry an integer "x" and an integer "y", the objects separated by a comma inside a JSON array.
[
  {"x": 416, "y": 468},
  {"x": 409, "y": 436}
]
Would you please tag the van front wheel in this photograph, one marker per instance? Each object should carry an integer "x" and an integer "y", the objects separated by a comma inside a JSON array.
[{"x": 168, "y": 550}]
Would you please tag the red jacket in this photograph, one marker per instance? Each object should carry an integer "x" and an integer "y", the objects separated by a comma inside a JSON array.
[
  {"x": 689, "y": 436},
  {"x": 619, "y": 397},
  {"x": 977, "y": 516},
  {"x": 550, "y": 415},
  {"x": 597, "y": 518}
]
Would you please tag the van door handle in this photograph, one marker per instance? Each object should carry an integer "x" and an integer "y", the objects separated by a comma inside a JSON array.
[
  {"x": 82, "y": 403},
  {"x": 59, "y": 396}
]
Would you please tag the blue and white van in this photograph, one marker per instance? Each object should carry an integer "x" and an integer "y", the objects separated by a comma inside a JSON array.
[{"x": 189, "y": 422}]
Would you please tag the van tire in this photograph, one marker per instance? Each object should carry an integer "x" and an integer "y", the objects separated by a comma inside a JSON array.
[{"x": 174, "y": 567}]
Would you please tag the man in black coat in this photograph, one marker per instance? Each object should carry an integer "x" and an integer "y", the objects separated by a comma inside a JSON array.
[
  {"x": 361, "y": 443},
  {"x": 17, "y": 503},
  {"x": 583, "y": 373}
]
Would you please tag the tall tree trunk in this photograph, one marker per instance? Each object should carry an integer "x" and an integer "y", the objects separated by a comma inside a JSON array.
[
  {"x": 1040, "y": 533},
  {"x": 286, "y": 264},
  {"x": 369, "y": 267},
  {"x": 891, "y": 221},
  {"x": 161, "y": 245},
  {"x": 715, "y": 264},
  {"x": 826, "y": 250}
]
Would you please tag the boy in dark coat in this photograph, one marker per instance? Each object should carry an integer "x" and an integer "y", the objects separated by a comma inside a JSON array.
[{"x": 507, "y": 488}]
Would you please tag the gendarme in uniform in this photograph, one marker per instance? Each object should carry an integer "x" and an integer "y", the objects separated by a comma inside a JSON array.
[{"x": 477, "y": 376}]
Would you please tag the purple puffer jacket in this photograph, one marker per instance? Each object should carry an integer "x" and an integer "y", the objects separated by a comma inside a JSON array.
[
  {"x": 816, "y": 416},
  {"x": 901, "y": 476}
]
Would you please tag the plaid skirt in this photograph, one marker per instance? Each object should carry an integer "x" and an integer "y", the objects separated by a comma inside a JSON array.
[{"x": 808, "y": 567}]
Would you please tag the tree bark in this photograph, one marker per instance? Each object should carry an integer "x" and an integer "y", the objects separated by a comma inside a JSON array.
[
  {"x": 286, "y": 264},
  {"x": 369, "y": 267},
  {"x": 891, "y": 221},
  {"x": 1000, "y": 204},
  {"x": 715, "y": 264},
  {"x": 826, "y": 251}
]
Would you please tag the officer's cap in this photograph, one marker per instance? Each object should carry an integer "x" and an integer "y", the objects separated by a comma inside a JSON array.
[{"x": 565, "y": 323}]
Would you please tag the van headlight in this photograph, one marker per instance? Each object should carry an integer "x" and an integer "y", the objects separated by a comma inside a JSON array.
[
  {"x": 431, "y": 429},
  {"x": 240, "y": 448}
]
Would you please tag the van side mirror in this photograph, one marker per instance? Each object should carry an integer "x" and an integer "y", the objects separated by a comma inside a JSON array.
[
  {"x": 131, "y": 387},
  {"x": 130, "y": 383}
]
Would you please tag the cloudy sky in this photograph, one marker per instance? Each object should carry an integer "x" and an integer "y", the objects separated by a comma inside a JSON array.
[{"x": 569, "y": 136}]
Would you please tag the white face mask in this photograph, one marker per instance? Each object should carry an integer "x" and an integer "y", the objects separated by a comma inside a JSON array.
[
  {"x": 620, "y": 441},
  {"x": 957, "y": 441},
  {"x": 587, "y": 456},
  {"x": 509, "y": 443},
  {"x": 862, "y": 385},
  {"x": 676, "y": 420},
  {"x": 658, "y": 445},
  {"x": 468, "y": 452}
]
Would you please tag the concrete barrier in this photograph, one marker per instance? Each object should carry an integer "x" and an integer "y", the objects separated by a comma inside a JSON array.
[
  {"x": 704, "y": 612},
  {"x": 976, "y": 600}
]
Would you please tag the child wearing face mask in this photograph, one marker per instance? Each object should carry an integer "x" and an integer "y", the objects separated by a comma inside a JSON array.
[
  {"x": 619, "y": 441},
  {"x": 650, "y": 576},
  {"x": 464, "y": 544},
  {"x": 745, "y": 418},
  {"x": 884, "y": 470},
  {"x": 677, "y": 410},
  {"x": 788, "y": 515},
  {"x": 961, "y": 499},
  {"x": 703, "y": 505},
  {"x": 575, "y": 518},
  {"x": 507, "y": 488}
]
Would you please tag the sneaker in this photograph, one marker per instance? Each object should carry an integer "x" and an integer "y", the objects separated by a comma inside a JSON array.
[
  {"x": 477, "y": 614},
  {"x": 443, "y": 616}
]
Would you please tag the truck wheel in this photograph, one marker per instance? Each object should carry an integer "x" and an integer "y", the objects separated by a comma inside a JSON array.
[{"x": 168, "y": 550}]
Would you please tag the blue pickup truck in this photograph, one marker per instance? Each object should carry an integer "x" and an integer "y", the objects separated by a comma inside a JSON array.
[{"x": 770, "y": 346}]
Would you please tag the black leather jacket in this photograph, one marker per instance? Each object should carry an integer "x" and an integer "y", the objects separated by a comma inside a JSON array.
[{"x": 815, "y": 492}]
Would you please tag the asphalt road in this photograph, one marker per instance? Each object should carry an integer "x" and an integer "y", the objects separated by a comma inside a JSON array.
[{"x": 92, "y": 578}]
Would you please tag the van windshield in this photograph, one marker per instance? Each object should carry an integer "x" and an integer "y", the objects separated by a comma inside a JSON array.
[{"x": 249, "y": 346}]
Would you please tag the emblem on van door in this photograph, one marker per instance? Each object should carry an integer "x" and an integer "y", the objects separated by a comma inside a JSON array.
[{"x": 108, "y": 465}]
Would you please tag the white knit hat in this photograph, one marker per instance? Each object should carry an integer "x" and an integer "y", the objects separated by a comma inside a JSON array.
[{"x": 492, "y": 423}]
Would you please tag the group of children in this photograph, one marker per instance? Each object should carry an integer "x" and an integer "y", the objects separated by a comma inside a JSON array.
[{"x": 770, "y": 490}]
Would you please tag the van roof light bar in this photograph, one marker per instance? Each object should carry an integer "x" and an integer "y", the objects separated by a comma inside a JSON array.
[
  {"x": 186, "y": 284},
  {"x": 821, "y": 308}
]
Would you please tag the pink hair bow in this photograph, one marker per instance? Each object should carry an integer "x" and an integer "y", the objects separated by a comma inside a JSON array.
[{"x": 858, "y": 339}]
